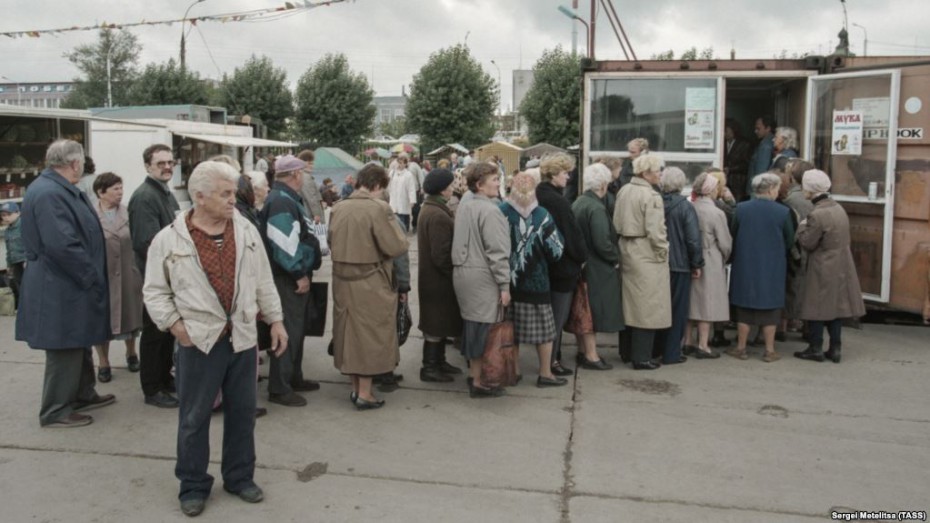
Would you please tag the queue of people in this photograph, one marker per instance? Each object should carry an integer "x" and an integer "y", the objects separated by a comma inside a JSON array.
[{"x": 647, "y": 263}]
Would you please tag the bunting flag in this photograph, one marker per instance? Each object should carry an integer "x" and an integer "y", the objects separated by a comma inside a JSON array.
[{"x": 256, "y": 14}]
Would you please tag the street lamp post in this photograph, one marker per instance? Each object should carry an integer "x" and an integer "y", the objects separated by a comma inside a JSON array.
[
  {"x": 865, "y": 39},
  {"x": 571, "y": 14},
  {"x": 500, "y": 95},
  {"x": 183, "y": 36},
  {"x": 109, "y": 84}
]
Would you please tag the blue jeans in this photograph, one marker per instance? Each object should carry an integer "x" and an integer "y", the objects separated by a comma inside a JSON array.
[
  {"x": 834, "y": 327},
  {"x": 199, "y": 378}
]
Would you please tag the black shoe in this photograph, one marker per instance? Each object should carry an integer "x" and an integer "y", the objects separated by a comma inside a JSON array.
[
  {"x": 434, "y": 375},
  {"x": 810, "y": 353},
  {"x": 353, "y": 396},
  {"x": 363, "y": 404},
  {"x": 681, "y": 359},
  {"x": 833, "y": 354},
  {"x": 260, "y": 411},
  {"x": 250, "y": 494},
  {"x": 104, "y": 374},
  {"x": 387, "y": 377},
  {"x": 446, "y": 368},
  {"x": 600, "y": 364},
  {"x": 162, "y": 400},
  {"x": 556, "y": 381},
  {"x": 720, "y": 341},
  {"x": 688, "y": 350},
  {"x": 560, "y": 370},
  {"x": 95, "y": 403},
  {"x": 132, "y": 363},
  {"x": 709, "y": 355},
  {"x": 73, "y": 420},
  {"x": 483, "y": 392},
  {"x": 645, "y": 365},
  {"x": 291, "y": 399},
  {"x": 305, "y": 386},
  {"x": 193, "y": 507}
]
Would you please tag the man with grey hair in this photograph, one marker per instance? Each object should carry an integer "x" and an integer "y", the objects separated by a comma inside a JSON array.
[
  {"x": 206, "y": 279},
  {"x": 66, "y": 306}
]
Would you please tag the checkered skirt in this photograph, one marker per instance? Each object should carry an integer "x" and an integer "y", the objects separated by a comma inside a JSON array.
[{"x": 532, "y": 322}]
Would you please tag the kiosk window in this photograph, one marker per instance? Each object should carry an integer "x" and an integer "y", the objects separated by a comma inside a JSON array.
[{"x": 674, "y": 114}]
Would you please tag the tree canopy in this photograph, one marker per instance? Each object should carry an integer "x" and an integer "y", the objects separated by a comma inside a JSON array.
[
  {"x": 334, "y": 105},
  {"x": 168, "y": 84},
  {"x": 688, "y": 54},
  {"x": 90, "y": 90},
  {"x": 552, "y": 105},
  {"x": 259, "y": 89},
  {"x": 452, "y": 100}
]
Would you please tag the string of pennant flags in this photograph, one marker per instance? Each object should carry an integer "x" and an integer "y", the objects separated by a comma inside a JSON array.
[{"x": 287, "y": 8}]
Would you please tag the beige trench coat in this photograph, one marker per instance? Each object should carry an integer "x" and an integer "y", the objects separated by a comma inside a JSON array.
[
  {"x": 125, "y": 280},
  {"x": 709, "y": 298},
  {"x": 831, "y": 285},
  {"x": 364, "y": 237},
  {"x": 639, "y": 217}
]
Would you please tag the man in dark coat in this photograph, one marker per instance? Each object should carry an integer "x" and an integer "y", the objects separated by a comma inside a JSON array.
[
  {"x": 440, "y": 317},
  {"x": 151, "y": 209},
  {"x": 65, "y": 307}
]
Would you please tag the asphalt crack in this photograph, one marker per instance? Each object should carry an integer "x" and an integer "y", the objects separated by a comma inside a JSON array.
[{"x": 568, "y": 479}]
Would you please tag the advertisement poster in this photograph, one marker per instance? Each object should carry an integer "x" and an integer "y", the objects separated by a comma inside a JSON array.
[
  {"x": 700, "y": 107},
  {"x": 876, "y": 112},
  {"x": 847, "y": 133}
]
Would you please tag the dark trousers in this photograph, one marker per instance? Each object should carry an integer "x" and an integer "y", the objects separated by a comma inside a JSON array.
[
  {"x": 200, "y": 377},
  {"x": 561, "y": 307},
  {"x": 16, "y": 279},
  {"x": 287, "y": 370},
  {"x": 668, "y": 341},
  {"x": 834, "y": 327},
  {"x": 636, "y": 344},
  {"x": 404, "y": 219},
  {"x": 69, "y": 378},
  {"x": 156, "y": 357}
]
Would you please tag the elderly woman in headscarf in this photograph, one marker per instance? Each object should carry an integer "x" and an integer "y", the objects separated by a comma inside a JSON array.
[
  {"x": 535, "y": 244},
  {"x": 685, "y": 261},
  {"x": 601, "y": 272},
  {"x": 831, "y": 285},
  {"x": 709, "y": 302},
  {"x": 762, "y": 237},
  {"x": 647, "y": 302}
]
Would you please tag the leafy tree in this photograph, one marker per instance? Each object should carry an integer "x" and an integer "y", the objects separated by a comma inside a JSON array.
[
  {"x": 689, "y": 54},
  {"x": 396, "y": 128},
  {"x": 667, "y": 55},
  {"x": 167, "y": 84},
  {"x": 552, "y": 106},
  {"x": 91, "y": 89},
  {"x": 452, "y": 100},
  {"x": 259, "y": 89},
  {"x": 334, "y": 105}
]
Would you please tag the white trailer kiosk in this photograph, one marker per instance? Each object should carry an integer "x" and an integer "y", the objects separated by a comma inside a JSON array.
[{"x": 883, "y": 183}]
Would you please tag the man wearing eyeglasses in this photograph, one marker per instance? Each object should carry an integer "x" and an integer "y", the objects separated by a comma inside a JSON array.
[{"x": 151, "y": 209}]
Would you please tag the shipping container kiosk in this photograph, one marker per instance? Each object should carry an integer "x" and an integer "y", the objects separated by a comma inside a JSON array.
[{"x": 880, "y": 170}]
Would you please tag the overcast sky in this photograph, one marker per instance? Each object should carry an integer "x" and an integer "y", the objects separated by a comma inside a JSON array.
[{"x": 389, "y": 40}]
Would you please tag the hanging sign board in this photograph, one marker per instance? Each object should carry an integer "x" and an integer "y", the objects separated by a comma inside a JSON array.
[
  {"x": 700, "y": 106},
  {"x": 847, "y": 133}
]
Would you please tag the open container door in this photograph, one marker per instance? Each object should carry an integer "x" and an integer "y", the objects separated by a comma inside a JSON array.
[{"x": 852, "y": 127}]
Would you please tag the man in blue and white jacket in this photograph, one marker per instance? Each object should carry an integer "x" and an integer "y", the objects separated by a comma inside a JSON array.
[{"x": 294, "y": 252}]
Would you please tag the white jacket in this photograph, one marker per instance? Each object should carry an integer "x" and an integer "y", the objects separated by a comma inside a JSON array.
[
  {"x": 402, "y": 191},
  {"x": 176, "y": 287}
]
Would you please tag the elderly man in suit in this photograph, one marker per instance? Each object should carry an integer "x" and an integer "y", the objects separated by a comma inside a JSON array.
[{"x": 65, "y": 306}]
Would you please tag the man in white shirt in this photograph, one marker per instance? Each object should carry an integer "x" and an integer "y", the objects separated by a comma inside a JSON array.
[{"x": 402, "y": 191}]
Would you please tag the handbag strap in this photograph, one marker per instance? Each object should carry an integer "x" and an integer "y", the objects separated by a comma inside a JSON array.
[{"x": 501, "y": 313}]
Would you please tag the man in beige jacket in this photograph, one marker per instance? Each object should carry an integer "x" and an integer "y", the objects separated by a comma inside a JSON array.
[{"x": 207, "y": 278}]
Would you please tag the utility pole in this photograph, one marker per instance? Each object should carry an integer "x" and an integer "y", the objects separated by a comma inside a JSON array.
[
  {"x": 575, "y": 28},
  {"x": 109, "y": 83},
  {"x": 183, "y": 36},
  {"x": 865, "y": 39}
]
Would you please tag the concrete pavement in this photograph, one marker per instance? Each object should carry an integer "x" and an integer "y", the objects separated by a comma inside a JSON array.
[{"x": 712, "y": 440}]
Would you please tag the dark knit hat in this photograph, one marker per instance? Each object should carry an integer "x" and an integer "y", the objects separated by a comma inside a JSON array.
[{"x": 437, "y": 180}]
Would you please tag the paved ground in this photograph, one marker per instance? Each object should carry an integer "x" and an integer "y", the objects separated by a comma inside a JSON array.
[{"x": 713, "y": 440}]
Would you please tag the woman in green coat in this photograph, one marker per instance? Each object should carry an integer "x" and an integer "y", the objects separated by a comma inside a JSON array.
[{"x": 601, "y": 270}]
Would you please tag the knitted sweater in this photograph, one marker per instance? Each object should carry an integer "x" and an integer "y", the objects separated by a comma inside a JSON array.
[{"x": 535, "y": 243}]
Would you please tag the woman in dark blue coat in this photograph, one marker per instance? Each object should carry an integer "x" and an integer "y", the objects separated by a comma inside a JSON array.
[
  {"x": 762, "y": 237},
  {"x": 65, "y": 300}
]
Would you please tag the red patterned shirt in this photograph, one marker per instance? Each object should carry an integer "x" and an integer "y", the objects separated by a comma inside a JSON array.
[{"x": 218, "y": 257}]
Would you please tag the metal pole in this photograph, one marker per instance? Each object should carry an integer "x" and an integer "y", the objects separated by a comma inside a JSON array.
[
  {"x": 500, "y": 99},
  {"x": 865, "y": 39},
  {"x": 183, "y": 46},
  {"x": 109, "y": 84},
  {"x": 592, "y": 22},
  {"x": 575, "y": 29}
]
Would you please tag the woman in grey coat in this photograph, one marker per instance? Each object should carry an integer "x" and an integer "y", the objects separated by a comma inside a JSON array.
[
  {"x": 709, "y": 301},
  {"x": 481, "y": 266}
]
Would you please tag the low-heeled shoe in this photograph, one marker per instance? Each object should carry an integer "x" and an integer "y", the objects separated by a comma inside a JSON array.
[
  {"x": 555, "y": 381},
  {"x": 290, "y": 399},
  {"x": 363, "y": 404},
  {"x": 559, "y": 370},
  {"x": 811, "y": 354},
  {"x": 250, "y": 494},
  {"x": 95, "y": 403},
  {"x": 132, "y": 362},
  {"x": 645, "y": 365},
  {"x": 193, "y": 507},
  {"x": 72, "y": 420},
  {"x": 162, "y": 400},
  {"x": 708, "y": 355},
  {"x": 681, "y": 359},
  {"x": 595, "y": 365}
]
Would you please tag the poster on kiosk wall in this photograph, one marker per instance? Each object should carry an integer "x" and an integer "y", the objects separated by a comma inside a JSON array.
[
  {"x": 847, "y": 133},
  {"x": 700, "y": 106}
]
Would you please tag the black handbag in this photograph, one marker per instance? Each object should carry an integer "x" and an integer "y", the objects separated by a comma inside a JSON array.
[
  {"x": 404, "y": 322},
  {"x": 315, "y": 318}
]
